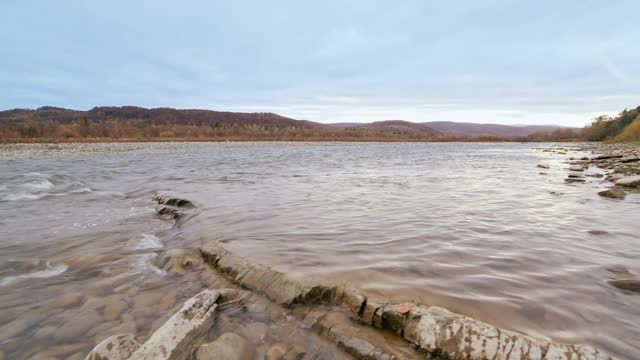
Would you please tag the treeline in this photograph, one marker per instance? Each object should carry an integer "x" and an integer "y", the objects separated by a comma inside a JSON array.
[
  {"x": 129, "y": 130},
  {"x": 624, "y": 127},
  {"x": 142, "y": 130},
  {"x": 136, "y": 130}
]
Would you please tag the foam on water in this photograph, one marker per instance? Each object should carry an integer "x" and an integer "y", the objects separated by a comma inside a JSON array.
[
  {"x": 146, "y": 242},
  {"x": 49, "y": 271},
  {"x": 22, "y": 196},
  {"x": 141, "y": 263},
  {"x": 42, "y": 184}
]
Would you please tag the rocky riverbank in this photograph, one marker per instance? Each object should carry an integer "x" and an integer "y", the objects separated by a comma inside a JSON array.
[
  {"x": 621, "y": 163},
  {"x": 619, "y": 167},
  {"x": 321, "y": 321},
  {"x": 324, "y": 322}
]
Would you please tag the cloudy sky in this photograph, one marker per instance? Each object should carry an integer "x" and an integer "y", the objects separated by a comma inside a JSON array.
[{"x": 511, "y": 62}]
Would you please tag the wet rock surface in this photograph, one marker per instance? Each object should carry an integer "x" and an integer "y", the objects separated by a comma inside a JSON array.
[
  {"x": 613, "y": 193},
  {"x": 174, "y": 339},
  {"x": 171, "y": 206},
  {"x": 434, "y": 330},
  {"x": 618, "y": 161},
  {"x": 116, "y": 347}
]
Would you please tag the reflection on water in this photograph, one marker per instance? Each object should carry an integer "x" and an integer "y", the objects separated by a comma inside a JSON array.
[{"x": 472, "y": 227}]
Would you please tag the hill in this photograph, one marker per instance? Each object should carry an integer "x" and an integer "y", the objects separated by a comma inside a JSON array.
[
  {"x": 623, "y": 127},
  {"x": 130, "y": 123},
  {"x": 457, "y": 129},
  {"x": 144, "y": 117},
  {"x": 398, "y": 126},
  {"x": 476, "y": 130}
]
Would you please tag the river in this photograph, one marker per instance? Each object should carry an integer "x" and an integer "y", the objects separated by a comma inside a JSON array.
[{"x": 477, "y": 228}]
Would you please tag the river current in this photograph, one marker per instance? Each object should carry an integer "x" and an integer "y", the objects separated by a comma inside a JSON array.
[{"x": 476, "y": 228}]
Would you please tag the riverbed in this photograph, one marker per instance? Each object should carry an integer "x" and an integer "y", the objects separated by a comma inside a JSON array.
[{"x": 477, "y": 228}]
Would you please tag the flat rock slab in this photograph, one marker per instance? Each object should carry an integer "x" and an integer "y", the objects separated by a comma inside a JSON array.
[
  {"x": 172, "y": 340},
  {"x": 454, "y": 336},
  {"x": 437, "y": 331},
  {"x": 629, "y": 181}
]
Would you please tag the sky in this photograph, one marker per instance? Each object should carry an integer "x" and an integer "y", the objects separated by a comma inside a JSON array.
[{"x": 508, "y": 62}]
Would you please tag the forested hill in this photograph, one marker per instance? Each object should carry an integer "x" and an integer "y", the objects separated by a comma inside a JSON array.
[
  {"x": 143, "y": 116},
  {"x": 624, "y": 127}
]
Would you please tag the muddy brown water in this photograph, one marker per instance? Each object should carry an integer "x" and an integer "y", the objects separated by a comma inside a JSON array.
[{"x": 474, "y": 228}]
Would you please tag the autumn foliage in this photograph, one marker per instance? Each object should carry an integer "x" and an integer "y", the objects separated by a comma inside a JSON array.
[{"x": 50, "y": 124}]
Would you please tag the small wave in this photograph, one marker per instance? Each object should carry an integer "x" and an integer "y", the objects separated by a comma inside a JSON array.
[
  {"x": 22, "y": 196},
  {"x": 148, "y": 241},
  {"x": 48, "y": 272},
  {"x": 42, "y": 184},
  {"x": 84, "y": 190},
  {"x": 142, "y": 264}
]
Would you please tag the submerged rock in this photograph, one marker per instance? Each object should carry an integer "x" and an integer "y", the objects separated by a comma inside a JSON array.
[
  {"x": 276, "y": 352},
  {"x": 626, "y": 284},
  {"x": 597, "y": 232},
  {"x": 173, "y": 339},
  {"x": 613, "y": 193},
  {"x": 574, "y": 180},
  {"x": 169, "y": 212},
  {"x": 115, "y": 347},
  {"x": 170, "y": 199},
  {"x": 228, "y": 346}
]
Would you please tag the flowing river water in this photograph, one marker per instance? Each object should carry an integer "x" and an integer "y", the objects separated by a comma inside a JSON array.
[{"x": 473, "y": 227}]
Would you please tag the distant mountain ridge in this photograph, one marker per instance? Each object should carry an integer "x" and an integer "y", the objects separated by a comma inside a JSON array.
[
  {"x": 399, "y": 126},
  {"x": 473, "y": 129}
]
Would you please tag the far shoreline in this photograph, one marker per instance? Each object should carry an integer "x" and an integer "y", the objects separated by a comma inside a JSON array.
[{"x": 183, "y": 140}]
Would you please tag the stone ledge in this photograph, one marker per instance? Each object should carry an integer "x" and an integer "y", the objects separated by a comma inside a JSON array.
[{"x": 437, "y": 331}]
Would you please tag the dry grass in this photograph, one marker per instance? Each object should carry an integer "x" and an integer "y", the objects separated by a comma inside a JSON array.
[{"x": 631, "y": 132}]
